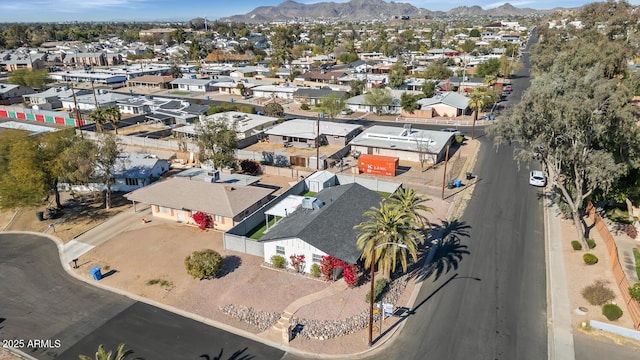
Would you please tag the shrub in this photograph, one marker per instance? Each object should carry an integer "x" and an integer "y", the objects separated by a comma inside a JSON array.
[
  {"x": 315, "y": 270},
  {"x": 278, "y": 261},
  {"x": 203, "y": 220},
  {"x": 575, "y": 244},
  {"x": 273, "y": 109},
  {"x": 304, "y": 107},
  {"x": 598, "y": 293},
  {"x": 249, "y": 166},
  {"x": 611, "y": 311},
  {"x": 591, "y": 243},
  {"x": 350, "y": 275},
  {"x": 589, "y": 259},
  {"x": 203, "y": 264},
  {"x": 297, "y": 262},
  {"x": 326, "y": 266},
  {"x": 634, "y": 291},
  {"x": 378, "y": 288}
]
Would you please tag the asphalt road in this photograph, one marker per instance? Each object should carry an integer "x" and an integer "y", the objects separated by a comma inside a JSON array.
[{"x": 41, "y": 301}]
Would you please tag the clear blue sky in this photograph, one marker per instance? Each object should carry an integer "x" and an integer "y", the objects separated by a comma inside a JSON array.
[{"x": 152, "y": 10}]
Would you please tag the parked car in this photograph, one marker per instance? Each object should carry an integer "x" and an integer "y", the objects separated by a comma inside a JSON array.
[
  {"x": 508, "y": 88},
  {"x": 455, "y": 132},
  {"x": 537, "y": 178},
  {"x": 346, "y": 112}
]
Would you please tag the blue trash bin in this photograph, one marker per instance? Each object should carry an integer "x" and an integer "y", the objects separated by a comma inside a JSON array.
[
  {"x": 457, "y": 183},
  {"x": 207, "y": 97},
  {"x": 231, "y": 100},
  {"x": 95, "y": 272},
  {"x": 491, "y": 117}
]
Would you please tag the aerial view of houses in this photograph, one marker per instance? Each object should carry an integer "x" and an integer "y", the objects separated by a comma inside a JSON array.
[{"x": 319, "y": 179}]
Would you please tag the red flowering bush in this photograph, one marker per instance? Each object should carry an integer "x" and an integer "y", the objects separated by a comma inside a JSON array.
[
  {"x": 297, "y": 262},
  {"x": 349, "y": 272},
  {"x": 203, "y": 220}
]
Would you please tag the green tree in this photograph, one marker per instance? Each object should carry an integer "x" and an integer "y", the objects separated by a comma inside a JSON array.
[
  {"x": 488, "y": 68},
  {"x": 478, "y": 99},
  {"x": 332, "y": 105},
  {"x": 378, "y": 98},
  {"x": 348, "y": 57},
  {"x": 175, "y": 71},
  {"x": 578, "y": 117},
  {"x": 382, "y": 230},
  {"x": 113, "y": 116},
  {"x": 102, "y": 354},
  {"x": 203, "y": 264},
  {"x": 218, "y": 142},
  {"x": 468, "y": 46},
  {"x": 99, "y": 117},
  {"x": 429, "y": 89},
  {"x": 397, "y": 75},
  {"x": 23, "y": 181},
  {"x": 107, "y": 158},
  {"x": 356, "y": 87},
  {"x": 409, "y": 102},
  {"x": 31, "y": 78},
  {"x": 51, "y": 146},
  {"x": 282, "y": 42},
  {"x": 437, "y": 70},
  {"x": 475, "y": 33},
  {"x": 413, "y": 203},
  {"x": 273, "y": 109},
  {"x": 77, "y": 161}
]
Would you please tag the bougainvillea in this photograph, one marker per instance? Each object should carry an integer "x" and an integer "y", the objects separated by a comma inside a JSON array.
[
  {"x": 203, "y": 220},
  {"x": 349, "y": 272},
  {"x": 297, "y": 262}
]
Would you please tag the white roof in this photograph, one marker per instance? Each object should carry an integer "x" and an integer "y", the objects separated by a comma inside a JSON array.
[
  {"x": 307, "y": 129},
  {"x": 244, "y": 122},
  {"x": 390, "y": 137},
  {"x": 285, "y": 207},
  {"x": 33, "y": 128}
]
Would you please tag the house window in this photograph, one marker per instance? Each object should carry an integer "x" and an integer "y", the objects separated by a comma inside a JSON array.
[
  {"x": 131, "y": 182},
  {"x": 280, "y": 250},
  {"x": 315, "y": 258},
  {"x": 218, "y": 219},
  {"x": 165, "y": 210}
]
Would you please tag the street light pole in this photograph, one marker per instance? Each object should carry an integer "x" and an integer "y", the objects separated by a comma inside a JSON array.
[
  {"x": 373, "y": 254},
  {"x": 444, "y": 175}
]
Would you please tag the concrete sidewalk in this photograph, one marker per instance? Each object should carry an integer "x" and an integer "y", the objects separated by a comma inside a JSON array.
[{"x": 560, "y": 335}]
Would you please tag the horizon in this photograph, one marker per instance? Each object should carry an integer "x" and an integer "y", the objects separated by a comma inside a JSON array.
[{"x": 34, "y": 11}]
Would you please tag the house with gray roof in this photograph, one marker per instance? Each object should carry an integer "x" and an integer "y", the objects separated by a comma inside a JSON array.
[
  {"x": 359, "y": 104},
  {"x": 447, "y": 104},
  {"x": 313, "y": 96},
  {"x": 178, "y": 198},
  {"x": 321, "y": 225},
  {"x": 406, "y": 143},
  {"x": 303, "y": 133},
  {"x": 50, "y": 98},
  {"x": 12, "y": 94},
  {"x": 87, "y": 102}
]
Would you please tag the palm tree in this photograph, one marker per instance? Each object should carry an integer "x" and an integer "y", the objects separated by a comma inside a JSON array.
[
  {"x": 381, "y": 233},
  {"x": 414, "y": 204},
  {"x": 477, "y": 100},
  {"x": 102, "y": 354},
  {"x": 112, "y": 113},
  {"x": 99, "y": 117}
]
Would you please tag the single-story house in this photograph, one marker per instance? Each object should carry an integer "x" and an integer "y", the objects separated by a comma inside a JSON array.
[
  {"x": 249, "y": 127},
  {"x": 280, "y": 91},
  {"x": 87, "y": 102},
  {"x": 12, "y": 94},
  {"x": 359, "y": 104},
  {"x": 447, "y": 104},
  {"x": 321, "y": 225},
  {"x": 404, "y": 143},
  {"x": 151, "y": 81},
  {"x": 322, "y": 76},
  {"x": 303, "y": 133},
  {"x": 313, "y": 96},
  {"x": 197, "y": 85},
  {"x": 50, "y": 98},
  {"x": 179, "y": 198}
]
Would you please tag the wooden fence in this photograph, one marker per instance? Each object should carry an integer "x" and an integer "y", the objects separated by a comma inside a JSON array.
[{"x": 633, "y": 306}]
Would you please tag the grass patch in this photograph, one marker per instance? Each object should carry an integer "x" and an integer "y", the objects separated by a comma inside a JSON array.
[
  {"x": 310, "y": 193},
  {"x": 384, "y": 194},
  {"x": 161, "y": 282},
  {"x": 257, "y": 233},
  {"x": 636, "y": 256},
  {"x": 179, "y": 93}
]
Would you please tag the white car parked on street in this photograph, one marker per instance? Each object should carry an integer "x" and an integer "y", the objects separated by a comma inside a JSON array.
[{"x": 537, "y": 178}]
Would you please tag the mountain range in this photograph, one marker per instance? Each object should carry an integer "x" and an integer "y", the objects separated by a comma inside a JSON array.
[{"x": 358, "y": 10}]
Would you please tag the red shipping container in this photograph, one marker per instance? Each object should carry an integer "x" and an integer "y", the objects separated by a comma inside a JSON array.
[{"x": 378, "y": 164}]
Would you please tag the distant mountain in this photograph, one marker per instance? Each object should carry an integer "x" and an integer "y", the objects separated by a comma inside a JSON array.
[{"x": 357, "y": 10}]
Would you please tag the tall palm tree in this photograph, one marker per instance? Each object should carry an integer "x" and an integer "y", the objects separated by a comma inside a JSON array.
[
  {"x": 102, "y": 354},
  {"x": 384, "y": 228},
  {"x": 113, "y": 116},
  {"x": 99, "y": 117},
  {"x": 477, "y": 100},
  {"x": 413, "y": 203}
]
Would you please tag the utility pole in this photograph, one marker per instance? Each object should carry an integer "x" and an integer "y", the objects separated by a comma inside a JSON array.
[
  {"x": 95, "y": 98},
  {"x": 318, "y": 143},
  {"x": 444, "y": 175},
  {"x": 75, "y": 103}
]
